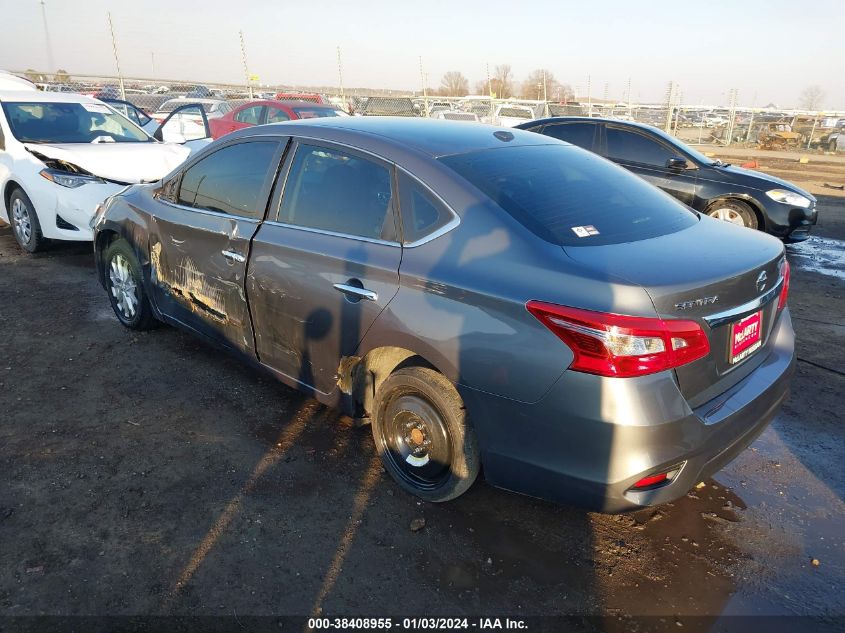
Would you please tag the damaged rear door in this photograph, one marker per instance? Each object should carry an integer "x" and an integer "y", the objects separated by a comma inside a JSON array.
[
  {"x": 200, "y": 241},
  {"x": 325, "y": 263}
]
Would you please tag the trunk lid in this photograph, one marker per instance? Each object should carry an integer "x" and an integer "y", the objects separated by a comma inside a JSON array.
[{"x": 713, "y": 273}]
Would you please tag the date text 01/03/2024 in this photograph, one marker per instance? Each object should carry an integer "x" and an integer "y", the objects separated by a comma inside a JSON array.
[{"x": 414, "y": 624}]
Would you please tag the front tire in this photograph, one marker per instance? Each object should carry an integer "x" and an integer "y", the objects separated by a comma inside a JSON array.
[
  {"x": 124, "y": 283},
  {"x": 423, "y": 436},
  {"x": 25, "y": 225},
  {"x": 733, "y": 211}
]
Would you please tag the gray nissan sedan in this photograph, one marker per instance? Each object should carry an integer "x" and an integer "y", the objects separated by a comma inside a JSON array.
[{"x": 484, "y": 297}]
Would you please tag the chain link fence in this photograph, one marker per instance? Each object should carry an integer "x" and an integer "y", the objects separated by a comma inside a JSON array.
[{"x": 764, "y": 128}]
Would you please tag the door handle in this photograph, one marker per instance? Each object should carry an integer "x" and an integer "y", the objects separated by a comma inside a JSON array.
[
  {"x": 233, "y": 256},
  {"x": 360, "y": 293}
]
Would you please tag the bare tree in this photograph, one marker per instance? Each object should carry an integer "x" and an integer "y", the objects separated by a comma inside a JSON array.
[
  {"x": 502, "y": 81},
  {"x": 34, "y": 76},
  {"x": 812, "y": 97},
  {"x": 454, "y": 84},
  {"x": 533, "y": 87}
]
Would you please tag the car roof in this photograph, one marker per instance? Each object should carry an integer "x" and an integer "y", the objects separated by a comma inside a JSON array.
[
  {"x": 36, "y": 96},
  {"x": 595, "y": 119},
  {"x": 429, "y": 136},
  {"x": 286, "y": 104}
]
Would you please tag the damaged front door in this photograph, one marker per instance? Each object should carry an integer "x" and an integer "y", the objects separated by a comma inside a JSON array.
[{"x": 201, "y": 240}]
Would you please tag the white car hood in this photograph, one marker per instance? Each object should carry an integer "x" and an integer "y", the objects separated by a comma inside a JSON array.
[{"x": 122, "y": 162}]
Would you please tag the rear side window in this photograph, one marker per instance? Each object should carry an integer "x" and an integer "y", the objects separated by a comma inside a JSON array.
[
  {"x": 422, "y": 214},
  {"x": 251, "y": 115},
  {"x": 580, "y": 134},
  {"x": 632, "y": 147},
  {"x": 274, "y": 115},
  {"x": 557, "y": 191},
  {"x": 231, "y": 180},
  {"x": 331, "y": 190}
]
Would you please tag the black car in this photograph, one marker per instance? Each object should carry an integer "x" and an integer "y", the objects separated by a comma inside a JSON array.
[{"x": 720, "y": 190}]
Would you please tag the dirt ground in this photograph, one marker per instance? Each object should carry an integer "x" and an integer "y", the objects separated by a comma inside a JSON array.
[{"x": 149, "y": 474}]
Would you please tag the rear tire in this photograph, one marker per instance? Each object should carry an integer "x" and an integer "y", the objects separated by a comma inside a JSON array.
[
  {"x": 125, "y": 285},
  {"x": 735, "y": 212},
  {"x": 423, "y": 436},
  {"x": 25, "y": 225}
]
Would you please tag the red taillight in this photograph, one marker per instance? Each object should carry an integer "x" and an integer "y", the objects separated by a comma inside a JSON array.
[
  {"x": 622, "y": 346},
  {"x": 784, "y": 291}
]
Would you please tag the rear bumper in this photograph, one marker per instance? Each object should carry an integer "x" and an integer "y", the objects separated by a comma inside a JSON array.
[{"x": 591, "y": 438}]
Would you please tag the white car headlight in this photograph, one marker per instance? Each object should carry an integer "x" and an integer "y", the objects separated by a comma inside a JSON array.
[
  {"x": 66, "y": 179},
  {"x": 788, "y": 197}
]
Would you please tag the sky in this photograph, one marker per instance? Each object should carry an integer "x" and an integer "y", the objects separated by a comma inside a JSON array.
[{"x": 770, "y": 51}]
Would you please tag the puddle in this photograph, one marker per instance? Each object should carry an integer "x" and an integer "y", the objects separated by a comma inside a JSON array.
[{"x": 820, "y": 255}]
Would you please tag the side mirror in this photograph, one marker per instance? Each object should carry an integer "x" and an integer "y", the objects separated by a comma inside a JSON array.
[{"x": 677, "y": 162}]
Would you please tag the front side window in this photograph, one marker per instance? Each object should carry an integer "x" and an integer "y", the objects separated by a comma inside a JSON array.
[
  {"x": 422, "y": 214},
  {"x": 556, "y": 191},
  {"x": 250, "y": 115},
  {"x": 231, "y": 180},
  {"x": 70, "y": 123},
  {"x": 632, "y": 147},
  {"x": 580, "y": 134},
  {"x": 331, "y": 190}
]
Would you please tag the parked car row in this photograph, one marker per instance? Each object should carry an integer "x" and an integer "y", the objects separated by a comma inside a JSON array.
[{"x": 485, "y": 297}]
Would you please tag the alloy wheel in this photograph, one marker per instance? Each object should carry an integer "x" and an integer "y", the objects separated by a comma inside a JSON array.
[
  {"x": 123, "y": 287},
  {"x": 21, "y": 222}
]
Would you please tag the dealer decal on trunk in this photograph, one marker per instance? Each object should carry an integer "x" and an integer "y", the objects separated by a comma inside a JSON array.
[{"x": 745, "y": 337}]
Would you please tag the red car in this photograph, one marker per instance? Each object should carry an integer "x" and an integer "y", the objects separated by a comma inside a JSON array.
[{"x": 261, "y": 112}]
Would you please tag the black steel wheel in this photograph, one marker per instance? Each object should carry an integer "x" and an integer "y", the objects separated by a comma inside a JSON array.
[{"x": 422, "y": 434}]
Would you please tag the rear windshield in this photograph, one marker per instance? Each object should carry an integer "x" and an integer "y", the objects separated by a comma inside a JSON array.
[
  {"x": 314, "y": 113},
  {"x": 571, "y": 197}
]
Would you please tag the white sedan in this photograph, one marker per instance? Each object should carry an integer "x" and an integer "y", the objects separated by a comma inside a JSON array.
[{"x": 61, "y": 155}]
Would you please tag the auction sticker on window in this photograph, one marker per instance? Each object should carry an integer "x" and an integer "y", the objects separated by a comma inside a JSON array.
[
  {"x": 585, "y": 231},
  {"x": 746, "y": 337}
]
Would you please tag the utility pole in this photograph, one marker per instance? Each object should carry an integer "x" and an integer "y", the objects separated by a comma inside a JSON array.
[
  {"x": 589, "y": 98},
  {"x": 340, "y": 76},
  {"x": 490, "y": 91},
  {"x": 51, "y": 64},
  {"x": 246, "y": 67},
  {"x": 152, "y": 64},
  {"x": 117, "y": 59},
  {"x": 425, "y": 90},
  {"x": 670, "y": 98},
  {"x": 630, "y": 110},
  {"x": 545, "y": 95},
  {"x": 733, "y": 93}
]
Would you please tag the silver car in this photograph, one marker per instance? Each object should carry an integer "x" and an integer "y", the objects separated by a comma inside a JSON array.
[{"x": 482, "y": 296}]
